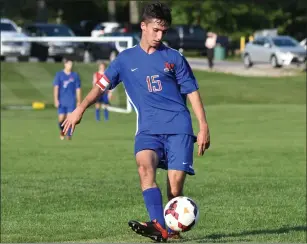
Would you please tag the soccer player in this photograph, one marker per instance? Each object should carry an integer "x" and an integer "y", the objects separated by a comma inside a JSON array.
[
  {"x": 158, "y": 81},
  {"x": 66, "y": 93},
  {"x": 103, "y": 100}
]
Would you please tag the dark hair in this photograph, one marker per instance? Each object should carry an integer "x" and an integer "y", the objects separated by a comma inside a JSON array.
[
  {"x": 67, "y": 59},
  {"x": 159, "y": 11},
  {"x": 101, "y": 63}
]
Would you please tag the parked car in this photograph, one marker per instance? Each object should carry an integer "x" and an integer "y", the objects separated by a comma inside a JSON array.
[
  {"x": 19, "y": 49},
  {"x": 55, "y": 50},
  {"x": 277, "y": 50},
  {"x": 172, "y": 38},
  {"x": 104, "y": 27},
  {"x": 84, "y": 27},
  {"x": 304, "y": 43},
  {"x": 191, "y": 37},
  {"x": 110, "y": 50}
]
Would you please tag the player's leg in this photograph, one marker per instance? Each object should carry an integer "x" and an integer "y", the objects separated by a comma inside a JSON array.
[
  {"x": 175, "y": 183},
  {"x": 148, "y": 151},
  {"x": 105, "y": 101},
  {"x": 180, "y": 162},
  {"x": 61, "y": 118},
  {"x": 97, "y": 110},
  {"x": 210, "y": 55},
  {"x": 106, "y": 112}
]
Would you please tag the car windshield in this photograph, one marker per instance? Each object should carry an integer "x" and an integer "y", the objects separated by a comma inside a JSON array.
[
  {"x": 284, "y": 42},
  {"x": 7, "y": 27},
  {"x": 57, "y": 31},
  {"x": 99, "y": 27}
]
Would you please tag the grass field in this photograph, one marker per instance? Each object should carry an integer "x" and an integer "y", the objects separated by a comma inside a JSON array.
[{"x": 250, "y": 186}]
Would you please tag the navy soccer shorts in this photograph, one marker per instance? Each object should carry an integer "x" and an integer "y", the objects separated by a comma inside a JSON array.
[
  {"x": 174, "y": 151},
  {"x": 66, "y": 109}
]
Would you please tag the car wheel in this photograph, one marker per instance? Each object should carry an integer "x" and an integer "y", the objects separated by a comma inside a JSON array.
[
  {"x": 113, "y": 55},
  {"x": 274, "y": 62},
  {"x": 42, "y": 58},
  {"x": 2, "y": 58},
  {"x": 247, "y": 61},
  {"x": 23, "y": 58}
]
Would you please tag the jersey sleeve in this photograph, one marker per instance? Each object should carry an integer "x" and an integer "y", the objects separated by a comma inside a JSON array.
[
  {"x": 78, "y": 81},
  {"x": 185, "y": 77},
  {"x": 56, "y": 80},
  {"x": 111, "y": 77}
]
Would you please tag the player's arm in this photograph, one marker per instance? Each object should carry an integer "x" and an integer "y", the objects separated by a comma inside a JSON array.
[
  {"x": 75, "y": 117},
  {"x": 203, "y": 137},
  {"x": 91, "y": 98},
  {"x": 109, "y": 79},
  {"x": 78, "y": 90},
  {"x": 94, "y": 80},
  {"x": 110, "y": 94},
  {"x": 79, "y": 95},
  {"x": 56, "y": 85},
  {"x": 56, "y": 96},
  {"x": 188, "y": 85}
]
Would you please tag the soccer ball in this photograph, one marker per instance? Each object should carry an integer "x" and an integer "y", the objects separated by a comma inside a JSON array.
[{"x": 181, "y": 214}]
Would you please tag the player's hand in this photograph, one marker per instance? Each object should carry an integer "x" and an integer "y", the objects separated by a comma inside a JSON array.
[
  {"x": 203, "y": 140},
  {"x": 56, "y": 103},
  {"x": 72, "y": 120}
]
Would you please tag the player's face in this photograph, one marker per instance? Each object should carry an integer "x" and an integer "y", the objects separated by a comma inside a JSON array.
[
  {"x": 153, "y": 32},
  {"x": 101, "y": 67},
  {"x": 68, "y": 65}
]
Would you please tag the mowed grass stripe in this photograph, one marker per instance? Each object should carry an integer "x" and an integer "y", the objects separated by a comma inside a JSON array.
[
  {"x": 216, "y": 88},
  {"x": 20, "y": 84},
  {"x": 8, "y": 96},
  {"x": 219, "y": 88}
]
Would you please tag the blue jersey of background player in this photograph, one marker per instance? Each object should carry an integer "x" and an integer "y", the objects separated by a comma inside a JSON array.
[
  {"x": 66, "y": 93},
  {"x": 157, "y": 80},
  {"x": 104, "y": 100}
]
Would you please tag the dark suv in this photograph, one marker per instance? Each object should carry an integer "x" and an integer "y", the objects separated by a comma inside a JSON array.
[
  {"x": 191, "y": 37},
  {"x": 55, "y": 50}
]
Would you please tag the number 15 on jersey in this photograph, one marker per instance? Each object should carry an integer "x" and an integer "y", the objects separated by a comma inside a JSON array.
[{"x": 154, "y": 85}]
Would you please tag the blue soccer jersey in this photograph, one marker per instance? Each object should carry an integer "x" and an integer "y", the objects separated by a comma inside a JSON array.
[
  {"x": 156, "y": 85},
  {"x": 67, "y": 83}
]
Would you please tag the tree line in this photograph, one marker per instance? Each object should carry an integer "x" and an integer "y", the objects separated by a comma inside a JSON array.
[{"x": 233, "y": 18}]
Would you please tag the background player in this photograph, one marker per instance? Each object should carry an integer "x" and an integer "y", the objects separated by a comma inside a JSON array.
[
  {"x": 157, "y": 80},
  {"x": 103, "y": 100},
  {"x": 66, "y": 93}
]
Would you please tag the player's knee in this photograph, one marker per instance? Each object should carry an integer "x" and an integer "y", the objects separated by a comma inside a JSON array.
[
  {"x": 61, "y": 119},
  {"x": 145, "y": 171}
]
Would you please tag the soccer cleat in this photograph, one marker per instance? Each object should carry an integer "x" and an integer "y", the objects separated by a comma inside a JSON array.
[{"x": 152, "y": 230}]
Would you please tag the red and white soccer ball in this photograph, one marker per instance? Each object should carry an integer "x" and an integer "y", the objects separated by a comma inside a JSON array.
[{"x": 181, "y": 214}]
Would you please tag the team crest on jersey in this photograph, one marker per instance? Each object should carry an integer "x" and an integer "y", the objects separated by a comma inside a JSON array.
[
  {"x": 168, "y": 67},
  {"x": 66, "y": 82}
]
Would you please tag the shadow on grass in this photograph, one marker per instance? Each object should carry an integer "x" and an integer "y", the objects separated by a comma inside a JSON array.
[{"x": 241, "y": 236}]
